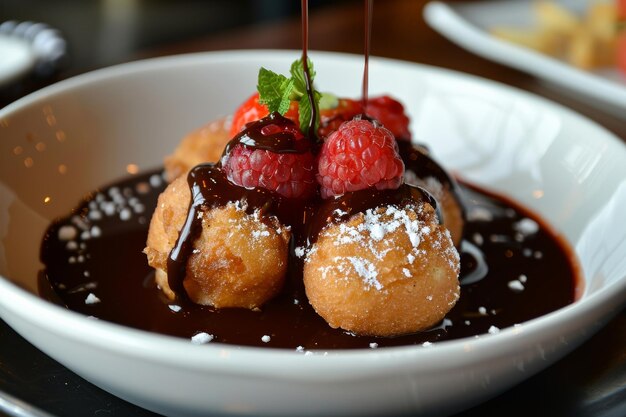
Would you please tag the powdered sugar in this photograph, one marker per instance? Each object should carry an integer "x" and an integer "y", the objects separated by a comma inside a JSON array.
[
  {"x": 493, "y": 330},
  {"x": 201, "y": 338},
  {"x": 516, "y": 286},
  {"x": 260, "y": 233},
  {"x": 67, "y": 233},
  {"x": 367, "y": 271},
  {"x": 376, "y": 232},
  {"x": 300, "y": 251},
  {"x": 92, "y": 299},
  {"x": 526, "y": 226},
  {"x": 377, "y": 225}
]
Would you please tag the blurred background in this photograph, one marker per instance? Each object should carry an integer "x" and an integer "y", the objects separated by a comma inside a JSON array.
[
  {"x": 105, "y": 32},
  {"x": 82, "y": 35}
]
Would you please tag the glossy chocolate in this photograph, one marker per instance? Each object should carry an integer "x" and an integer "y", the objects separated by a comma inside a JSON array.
[
  {"x": 341, "y": 208},
  {"x": 113, "y": 268},
  {"x": 507, "y": 277}
]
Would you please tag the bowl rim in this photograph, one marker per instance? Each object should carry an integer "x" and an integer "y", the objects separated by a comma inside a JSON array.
[
  {"x": 261, "y": 361},
  {"x": 162, "y": 62}
]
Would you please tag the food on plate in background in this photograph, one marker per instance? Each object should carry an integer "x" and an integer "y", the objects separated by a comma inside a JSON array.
[{"x": 588, "y": 41}]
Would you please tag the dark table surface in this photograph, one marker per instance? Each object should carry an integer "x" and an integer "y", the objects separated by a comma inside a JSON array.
[{"x": 591, "y": 381}]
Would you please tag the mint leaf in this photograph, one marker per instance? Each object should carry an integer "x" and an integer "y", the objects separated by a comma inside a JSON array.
[
  {"x": 328, "y": 101},
  {"x": 277, "y": 91},
  {"x": 297, "y": 74},
  {"x": 272, "y": 87},
  {"x": 306, "y": 113},
  {"x": 285, "y": 100}
]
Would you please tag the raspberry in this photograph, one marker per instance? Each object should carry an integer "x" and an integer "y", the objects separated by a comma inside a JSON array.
[
  {"x": 358, "y": 155},
  {"x": 391, "y": 114},
  {"x": 289, "y": 173},
  {"x": 251, "y": 110}
]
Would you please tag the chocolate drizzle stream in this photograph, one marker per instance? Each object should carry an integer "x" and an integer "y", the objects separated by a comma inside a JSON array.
[
  {"x": 366, "y": 50},
  {"x": 312, "y": 134}
]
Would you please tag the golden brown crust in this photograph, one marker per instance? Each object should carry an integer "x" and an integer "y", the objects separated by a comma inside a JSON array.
[
  {"x": 239, "y": 260},
  {"x": 370, "y": 284},
  {"x": 205, "y": 144},
  {"x": 449, "y": 206}
]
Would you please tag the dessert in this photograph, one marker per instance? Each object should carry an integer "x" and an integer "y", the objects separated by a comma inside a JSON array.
[
  {"x": 204, "y": 144},
  {"x": 422, "y": 170},
  {"x": 386, "y": 267},
  {"x": 270, "y": 164},
  {"x": 238, "y": 259},
  {"x": 383, "y": 265},
  {"x": 388, "y": 271},
  {"x": 513, "y": 269},
  {"x": 308, "y": 232}
]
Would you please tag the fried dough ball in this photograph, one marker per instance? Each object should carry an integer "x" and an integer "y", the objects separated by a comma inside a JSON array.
[
  {"x": 385, "y": 272},
  {"x": 205, "y": 144},
  {"x": 239, "y": 260},
  {"x": 422, "y": 170},
  {"x": 449, "y": 205}
]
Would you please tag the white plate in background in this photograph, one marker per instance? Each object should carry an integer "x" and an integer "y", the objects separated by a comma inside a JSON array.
[{"x": 468, "y": 25}]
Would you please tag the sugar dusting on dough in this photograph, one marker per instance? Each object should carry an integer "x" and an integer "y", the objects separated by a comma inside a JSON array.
[{"x": 372, "y": 234}]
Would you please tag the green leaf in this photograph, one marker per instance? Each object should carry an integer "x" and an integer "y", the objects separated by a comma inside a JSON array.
[
  {"x": 328, "y": 101},
  {"x": 298, "y": 75},
  {"x": 271, "y": 87},
  {"x": 277, "y": 91},
  {"x": 285, "y": 100},
  {"x": 306, "y": 113}
]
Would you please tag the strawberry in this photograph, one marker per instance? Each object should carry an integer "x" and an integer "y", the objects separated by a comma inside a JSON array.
[
  {"x": 391, "y": 114},
  {"x": 251, "y": 110},
  {"x": 358, "y": 155},
  {"x": 272, "y": 153},
  {"x": 332, "y": 118}
]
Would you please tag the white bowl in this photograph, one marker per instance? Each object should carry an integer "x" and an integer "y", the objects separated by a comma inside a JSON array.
[{"x": 503, "y": 139}]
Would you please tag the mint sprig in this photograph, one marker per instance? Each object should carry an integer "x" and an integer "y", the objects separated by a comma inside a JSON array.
[{"x": 277, "y": 92}]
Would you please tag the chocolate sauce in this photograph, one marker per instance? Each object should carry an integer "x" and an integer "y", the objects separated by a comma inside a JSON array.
[
  {"x": 210, "y": 188},
  {"x": 110, "y": 264},
  {"x": 422, "y": 165},
  {"x": 307, "y": 73},
  {"x": 366, "y": 50},
  {"x": 341, "y": 208},
  {"x": 94, "y": 262},
  {"x": 418, "y": 162},
  {"x": 273, "y": 133}
]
